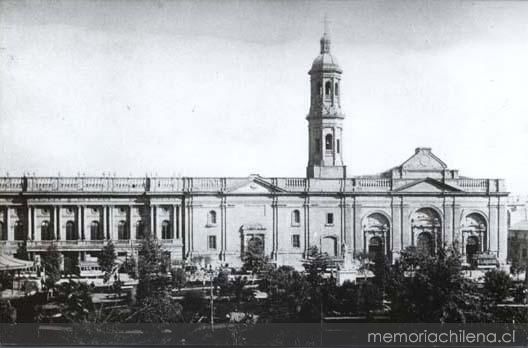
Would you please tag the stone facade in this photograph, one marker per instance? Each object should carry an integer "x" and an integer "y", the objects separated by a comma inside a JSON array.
[{"x": 420, "y": 203}]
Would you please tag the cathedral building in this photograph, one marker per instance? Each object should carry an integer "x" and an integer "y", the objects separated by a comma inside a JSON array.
[{"x": 420, "y": 203}]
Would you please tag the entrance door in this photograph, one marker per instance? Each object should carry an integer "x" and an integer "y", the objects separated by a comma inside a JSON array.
[
  {"x": 375, "y": 249},
  {"x": 425, "y": 244},
  {"x": 472, "y": 249},
  {"x": 329, "y": 246}
]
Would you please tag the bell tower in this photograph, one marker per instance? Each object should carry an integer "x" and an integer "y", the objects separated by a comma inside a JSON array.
[{"x": 325, "y": 118}]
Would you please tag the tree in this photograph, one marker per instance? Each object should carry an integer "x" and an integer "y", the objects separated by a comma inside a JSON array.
[
  {"x": 22, "y": 252},
  {"x": 433, "y": 289},
  {"x": 292, "y": 297},
  {"x": 222, "y": 281},
  {"x": 8, "y": 313},
  {"x": 178, "y": 278},
  {"x": 159, "y": 309},
  {"x": 150, "y": 268},
  {"x": 106, "y": 260},
  {"x": 51, "y": 261},
  {"x": 193, "y": 305},
  {"x": 75, "y": 301},
  {"x": 497, "y": 285},
  {"x": 315, "y": 265},
  {"x": 254, "y": 259}
]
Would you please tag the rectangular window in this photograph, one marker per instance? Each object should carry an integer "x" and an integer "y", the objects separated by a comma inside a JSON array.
[
  {"x": 212, "y": 242},
  {"x": 296, "y": 241},
  {"x": 330, "y": 219}
]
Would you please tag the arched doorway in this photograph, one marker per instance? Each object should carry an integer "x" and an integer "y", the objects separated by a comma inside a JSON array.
[
  {"x": 376, "y": 233},
  {"x": 474, "y": 236},
  {"x": 329, "y": 246},
  {"x": 425, "y": 244},
  {"x": 426, "y": 230}
]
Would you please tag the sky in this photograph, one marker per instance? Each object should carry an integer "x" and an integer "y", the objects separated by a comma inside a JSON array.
[{"x": 221, "y": 88}]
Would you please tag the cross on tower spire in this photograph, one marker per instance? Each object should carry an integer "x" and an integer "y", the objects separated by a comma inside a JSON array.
[
  {"x": 325, "y": 40},
  {"x": 326, "y": 24}
]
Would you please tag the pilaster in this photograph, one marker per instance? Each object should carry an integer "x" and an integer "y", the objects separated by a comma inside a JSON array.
[
  {"x": 358, "y": 230},
  {"x": 306, "y": 215},
  {"x": 396, "y": 228},
  {"x": 174, "y": 220}
]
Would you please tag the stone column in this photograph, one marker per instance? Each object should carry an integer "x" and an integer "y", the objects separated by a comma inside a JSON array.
[
  {"x": 502, "y": 230},
  {"x": 57, "y": 223},
  {"x": 179, "y": 234},
  {"x": 87, "y": 228},
  {"x": 407, "y": 234},
  {"x": 448, "y": 227},
  {"x": 152, "y": 224},
  {"x": 104, "y": 221},
  {"x": 457, "y": 233},
  {"x": 306, "y": 224},
  {"x": 111, "y": 224},
  {"x": 223, "y": 230},
  {"x": 174, "y": 219},
  {"x": 188, "y": 227},
  {"x": 349, "y": 226},
  {"x": 80, "y": 232},
  {"x": 275, "y": 231},
  {"x": 9, "y": 228},
  {"x": 493, "y": 240},
  {"x": 130, "y": 210},
  {"x": 37, "y": 235},
  {"x": 30, "y": 230}
]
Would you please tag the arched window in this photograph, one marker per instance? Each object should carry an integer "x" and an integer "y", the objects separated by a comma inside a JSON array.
[
  {"x": 45, "y": 231},
  {"x": 166, "y": 232},
  {"x": 296, "y": 217},
  {"x": 338, "y": 145},
  {"x": 3, "y": 233},
  {"x": 95, "y": 231},
  {"x": 140, "y": 230},
  {"x": 329, "y": 143},
  {"x": 212, "y": 217},
  {"x": 122, "y": 232},
  {"x": 328, "y": 88},
  {"x": 71, "y": 233},
  {"x": 19, "y": 231},
  {"x": 336, "y": 89}
]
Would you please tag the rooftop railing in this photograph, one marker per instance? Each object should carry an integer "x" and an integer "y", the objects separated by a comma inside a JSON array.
[{"x": 136, "y": 185}]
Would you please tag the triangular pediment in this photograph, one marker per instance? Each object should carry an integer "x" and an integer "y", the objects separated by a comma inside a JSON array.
[
  {"x": 423, "y": 160},
  {"x": 427, "y": 185},
  {"x": 254, "y": 186}
]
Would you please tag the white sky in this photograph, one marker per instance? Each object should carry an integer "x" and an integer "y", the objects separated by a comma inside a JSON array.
[{"x": 220, "y": 88}]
